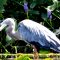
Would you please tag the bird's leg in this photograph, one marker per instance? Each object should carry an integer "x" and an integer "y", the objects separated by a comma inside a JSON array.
[{"x": 36, "y": 55}]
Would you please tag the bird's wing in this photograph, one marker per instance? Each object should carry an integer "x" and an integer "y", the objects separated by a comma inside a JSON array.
[{"x": 32, "y": 31}]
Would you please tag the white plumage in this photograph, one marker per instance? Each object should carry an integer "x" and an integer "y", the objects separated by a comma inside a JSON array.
[{"x": 31, "y": 31}]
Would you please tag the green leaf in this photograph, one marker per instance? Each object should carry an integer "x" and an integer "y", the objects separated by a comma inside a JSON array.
[
  {"x": 33, "y": 4},
  {"x": 44, "y": 51},
  {"x": 1, "y": 16},
  {"x": 1, "y": 8},
  {"x": 2, "y": 3},
  {"x": 22, "y": 57},
  {"x": 58, "y": 4},
  {"x": 44, "y": 16},
  {"x": 41, "y": 1},
  {"x": 34, "y": 12},
  {"x": 56, "y": 13},
  {"x": 48, "y": 59},
  {"x": 54, "y": 6}
]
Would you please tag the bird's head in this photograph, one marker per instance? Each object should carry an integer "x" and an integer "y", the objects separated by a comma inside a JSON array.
[{"x": 7, "y": 22}]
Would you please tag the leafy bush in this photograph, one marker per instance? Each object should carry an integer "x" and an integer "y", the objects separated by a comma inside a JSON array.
[
  {"x": 22, "y": 57},
  {"x": 48, "y": 59},
  {"x": 45, "y": 11}
]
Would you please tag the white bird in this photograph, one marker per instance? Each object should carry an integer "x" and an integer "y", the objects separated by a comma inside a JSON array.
[{"x": 32, "y": 32}]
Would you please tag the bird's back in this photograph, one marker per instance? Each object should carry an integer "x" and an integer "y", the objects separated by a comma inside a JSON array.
[
  {"x": 33, "y": 31},
  {"x": 36, "y": 28}
]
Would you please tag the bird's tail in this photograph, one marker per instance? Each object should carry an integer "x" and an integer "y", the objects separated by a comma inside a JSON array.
[
  {"x": 55, "y": 45},
  {"x": 56, "y": 50}
]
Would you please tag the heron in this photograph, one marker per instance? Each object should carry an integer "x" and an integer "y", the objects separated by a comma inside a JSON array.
[{"x": 31, "y": 32}]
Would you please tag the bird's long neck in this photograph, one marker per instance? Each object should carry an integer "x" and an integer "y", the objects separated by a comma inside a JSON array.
[{"x": 12, "y": 33}]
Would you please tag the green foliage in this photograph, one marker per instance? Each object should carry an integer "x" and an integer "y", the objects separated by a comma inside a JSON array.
[
  {"x": 22, "y": 57},
  {"x": 37, "y": 11},
  {"x": 2, "y": 3},
  {"x": 44, "y": 51},
  {"x": 48, "y": 59},
  {"x": 54, "y": 6},
  {"x": 33, "y": 4}
]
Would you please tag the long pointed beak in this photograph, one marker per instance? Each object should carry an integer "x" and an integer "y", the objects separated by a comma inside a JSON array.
[{"x": 2, "y": 26}]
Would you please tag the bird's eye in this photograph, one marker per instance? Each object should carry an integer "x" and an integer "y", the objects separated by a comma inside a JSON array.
[{"x": 7, "y": 25}]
